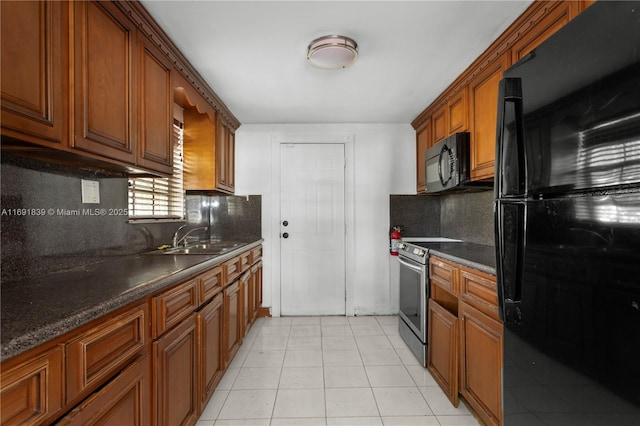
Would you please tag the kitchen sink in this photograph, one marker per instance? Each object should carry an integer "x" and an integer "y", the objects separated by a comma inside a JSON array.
[{"x": 202, "y": 248}]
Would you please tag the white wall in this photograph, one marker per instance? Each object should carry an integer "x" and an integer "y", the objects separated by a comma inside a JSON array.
[{"x": 383, "y": 163}]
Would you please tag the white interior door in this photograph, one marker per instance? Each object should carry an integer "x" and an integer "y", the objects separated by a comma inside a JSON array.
[{"x": 312, "y": 229}]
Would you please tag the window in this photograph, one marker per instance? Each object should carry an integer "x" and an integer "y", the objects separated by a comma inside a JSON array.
[{"x": 161, "y": 198}]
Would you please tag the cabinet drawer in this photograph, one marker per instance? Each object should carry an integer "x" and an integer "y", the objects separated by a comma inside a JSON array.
[
  {"x": 443, "y": 274},
  {"x": 105, "y": 349},
  {"x": 32, "y": 391},
  {"x": 479, "y": 290},
  {"x": 256, "y": 254},
  {"x": 124, "y": 400},
  {"x": 232, "y": 269},
  {"x": 245, "y": 260},
  {"x": 170, "y": 307},
  {"x": 210, "y": 283}
]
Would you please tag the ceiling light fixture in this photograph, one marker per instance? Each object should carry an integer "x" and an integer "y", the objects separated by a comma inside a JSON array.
[{"x": 332, "y": 52}]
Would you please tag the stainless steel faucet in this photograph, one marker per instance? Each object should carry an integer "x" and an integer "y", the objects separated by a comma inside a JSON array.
[{"x": 177, "y": 242}]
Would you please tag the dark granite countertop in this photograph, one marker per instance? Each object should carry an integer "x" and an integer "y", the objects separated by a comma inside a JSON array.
[
  {"x": 473, "y": 255},
  {"x": 38, "y": 309}
]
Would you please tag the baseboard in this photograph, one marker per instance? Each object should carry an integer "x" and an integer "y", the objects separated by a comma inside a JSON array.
[{"x": 264, "y": 312}]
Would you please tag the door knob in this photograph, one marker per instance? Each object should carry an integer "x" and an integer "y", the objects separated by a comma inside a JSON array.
[
  {"x": 285, "y": 235},
  {"x": 285, "y": 223}
]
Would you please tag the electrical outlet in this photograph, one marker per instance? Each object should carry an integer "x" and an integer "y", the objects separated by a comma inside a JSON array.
[{"x": 90, "y": 191}]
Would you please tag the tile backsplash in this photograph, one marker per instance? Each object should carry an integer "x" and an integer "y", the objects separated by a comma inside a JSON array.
[
  {"x": 43, "y": 217},
  {"x": 465, "y": 216}
]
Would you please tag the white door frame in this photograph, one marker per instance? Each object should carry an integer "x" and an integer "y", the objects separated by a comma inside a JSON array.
[{"x": 349, "y": 193}]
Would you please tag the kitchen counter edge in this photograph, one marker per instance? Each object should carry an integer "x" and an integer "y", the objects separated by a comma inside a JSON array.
[{"x": 14, "y": 345}]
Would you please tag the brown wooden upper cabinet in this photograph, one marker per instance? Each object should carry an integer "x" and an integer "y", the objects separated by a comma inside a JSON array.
[
  {"x": 556, "y": 19},
  {"x": 83, "y": 79},
  {"x": 104, "y": 75},
  {"x": 155, "y": 143},
  {"x": 209, "y": 142},
  {"x": 483, "y": 91},
  {"x": 123, "y": 93},
  {"x": 470, "y": 102},
  {"x": 439, "y": 123},
  {"x": 424, "y": 142},
  {"x": 457, "y": 116},
  {"x": 225, "y": 150},
  {"x": 34, "y": 73}
]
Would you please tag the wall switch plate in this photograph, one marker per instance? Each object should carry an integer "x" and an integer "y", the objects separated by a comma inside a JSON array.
[{"x": 90, "y": 191}]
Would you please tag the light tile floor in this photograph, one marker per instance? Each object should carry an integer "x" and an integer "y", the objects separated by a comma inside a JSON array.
[{"x": 329, "y": 371}]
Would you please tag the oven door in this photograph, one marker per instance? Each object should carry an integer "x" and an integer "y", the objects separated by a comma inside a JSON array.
[{"x": 413, "y": 296}]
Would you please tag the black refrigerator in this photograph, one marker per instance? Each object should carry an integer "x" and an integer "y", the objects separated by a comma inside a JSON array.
[{"x": 567, "y": 217}]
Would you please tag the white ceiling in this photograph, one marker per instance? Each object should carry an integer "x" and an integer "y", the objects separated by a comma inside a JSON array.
[{"x": 253, "y": 53}]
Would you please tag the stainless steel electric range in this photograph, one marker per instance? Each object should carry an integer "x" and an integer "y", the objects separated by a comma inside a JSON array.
[{"x": 413, "y": 256}]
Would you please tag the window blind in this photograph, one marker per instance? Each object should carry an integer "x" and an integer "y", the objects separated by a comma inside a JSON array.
[{"x": 160, "y": 198}]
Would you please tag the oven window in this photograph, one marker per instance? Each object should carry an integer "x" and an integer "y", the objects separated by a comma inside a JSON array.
[{"x": 410, "y": 300}]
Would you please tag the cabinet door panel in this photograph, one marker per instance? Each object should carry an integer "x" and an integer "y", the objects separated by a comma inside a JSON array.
[
  {"x": 439, "y": 122},
  {"x": 246, "y": 293},
  {"x": 34, "y": 70},
  {"x": 423, "y": 142},
  {"x": 104, "y": 72},
  {"x": 225, "y": 157},
  {"x": 175, "y": 363},
  {"x": 556, "y": 19},
  {"x": 156, "y": 116},
  {"x": 481, "y": 341},
  {"x": 32, "y": 392},
  {"x": 256, "y": 277},
  {"x": 483, "y": 92},
  {"x": 458, "y": 120},
  {"x": 210, "y": 323},
  {"x": 443, "y": 344},
  {"x": 232, "y": 321}
]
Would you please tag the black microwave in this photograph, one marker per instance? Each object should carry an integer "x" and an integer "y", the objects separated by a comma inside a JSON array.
[{"x": 448, "y": 166}]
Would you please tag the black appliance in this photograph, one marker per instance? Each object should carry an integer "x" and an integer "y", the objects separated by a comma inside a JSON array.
[
  {"x": 567, "y": 216},
  {"x": 448, "y": 166}
]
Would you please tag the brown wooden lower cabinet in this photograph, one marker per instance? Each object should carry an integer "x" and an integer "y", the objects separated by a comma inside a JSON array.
[
  {"x": 99, "y": 353},
  {"x": 246, "y": 290},
  {"x": 232, "y": 321},
  {"x": 465, "y": 337},
  {"x": 481, "y": 340},
  {"x": 442, "y": 357},
  {"x": 174, "y": 366},
  {"x": 123, "y": 401},
  {"x": 108, "y": 373},
  {"x": 33, "y": 391},
  {"x": 256, "y": 277},
  {"x": 210, "y": 335}
]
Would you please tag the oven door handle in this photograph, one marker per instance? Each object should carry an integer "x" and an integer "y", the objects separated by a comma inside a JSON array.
[{"x": 409, "y": 265}]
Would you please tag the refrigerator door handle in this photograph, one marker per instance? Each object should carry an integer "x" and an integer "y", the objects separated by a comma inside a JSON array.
[
  {"x": 510, "y": 92},
  {"x": 510, "y": 261}
]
